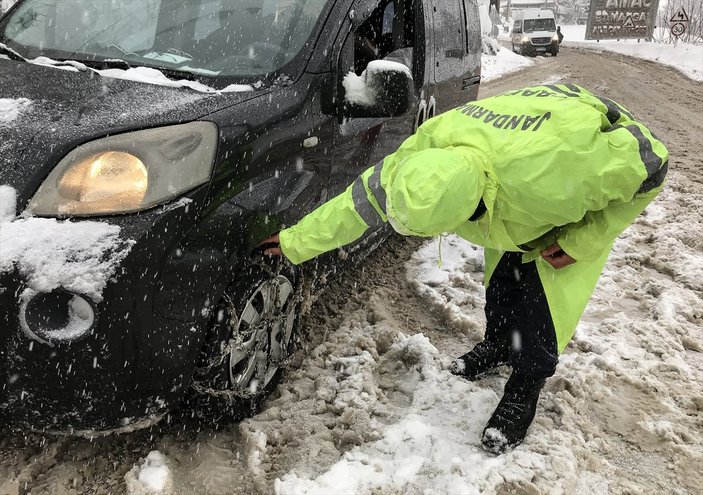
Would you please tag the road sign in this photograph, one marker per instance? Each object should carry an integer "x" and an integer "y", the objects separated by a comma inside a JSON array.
[
  {"x": 679, "y": 16},
  {"x": 678, "y": 23},
  {"x": 621, "y": 19}
]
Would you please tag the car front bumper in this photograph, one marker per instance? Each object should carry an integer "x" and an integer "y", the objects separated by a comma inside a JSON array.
[
  {"x": 137, "y": 360},
  {"x": 529, "y": 48}
]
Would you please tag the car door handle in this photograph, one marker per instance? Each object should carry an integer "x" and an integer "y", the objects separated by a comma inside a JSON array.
[
  {"x": 470, "y": 81},
  {"x": 454, "y": 53}
]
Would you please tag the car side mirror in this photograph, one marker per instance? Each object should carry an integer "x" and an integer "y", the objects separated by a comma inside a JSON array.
[{"x": 384, "y": 89}]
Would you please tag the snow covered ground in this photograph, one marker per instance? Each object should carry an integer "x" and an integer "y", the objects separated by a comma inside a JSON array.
[{"x": 684, "y": 57}]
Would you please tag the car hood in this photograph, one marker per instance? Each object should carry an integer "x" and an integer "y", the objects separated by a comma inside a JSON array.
[{"x": 47, "y": 111}]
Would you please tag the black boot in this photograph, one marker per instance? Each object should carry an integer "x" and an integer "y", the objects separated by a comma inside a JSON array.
[
  {"x": 484, "y": 357},
  {"x": 511, "y": 419}
]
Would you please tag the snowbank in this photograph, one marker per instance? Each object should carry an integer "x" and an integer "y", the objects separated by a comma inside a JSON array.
[{"x": 504, "y": 62}]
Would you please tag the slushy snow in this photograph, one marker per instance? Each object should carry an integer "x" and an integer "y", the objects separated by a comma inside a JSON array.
[{"x": 151, "y": 477}]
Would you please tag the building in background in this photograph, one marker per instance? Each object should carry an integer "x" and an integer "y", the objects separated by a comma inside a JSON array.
[
  {"x": 572, "y": 11},
  {"x": 510, "y": 7},
  {"x": 565, "y": 11}
]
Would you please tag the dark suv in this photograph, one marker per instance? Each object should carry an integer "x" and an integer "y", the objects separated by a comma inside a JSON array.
[{"x": 147, "y": 146}]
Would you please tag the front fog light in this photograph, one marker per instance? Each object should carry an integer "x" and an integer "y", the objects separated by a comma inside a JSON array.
[
  {"x": 58, "y": 316},
  {"x": 105, "y": 182}
]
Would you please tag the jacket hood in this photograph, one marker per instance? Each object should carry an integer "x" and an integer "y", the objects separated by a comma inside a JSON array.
[
  {"x": 56, "y": 110},
  {"x": 434, "y": 191}
]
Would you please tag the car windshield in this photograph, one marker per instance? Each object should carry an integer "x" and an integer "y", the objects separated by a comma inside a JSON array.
[
  {"x": 206, "y": 37},
  {"x": 532, "y": 25}
]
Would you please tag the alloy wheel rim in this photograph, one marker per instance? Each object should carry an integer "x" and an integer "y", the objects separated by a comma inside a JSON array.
[{"x": 261, "y": 336}]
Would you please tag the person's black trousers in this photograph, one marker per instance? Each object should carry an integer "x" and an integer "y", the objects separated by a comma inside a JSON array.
[{"x": 517, "y": 316}]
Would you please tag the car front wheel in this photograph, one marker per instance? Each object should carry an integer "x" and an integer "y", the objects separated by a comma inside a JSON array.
[
  {"x": 260, "y": 336},
  {"x": 251, "y": 339}
]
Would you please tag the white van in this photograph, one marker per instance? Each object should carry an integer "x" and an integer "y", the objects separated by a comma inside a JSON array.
[{"x": 535, "y": 32}]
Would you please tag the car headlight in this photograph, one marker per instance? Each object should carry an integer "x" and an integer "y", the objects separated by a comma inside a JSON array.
[
  {"x": 555, "y": 37},
  {"x": 128, "y": 172},
  {"x": 525, "y": 39}
]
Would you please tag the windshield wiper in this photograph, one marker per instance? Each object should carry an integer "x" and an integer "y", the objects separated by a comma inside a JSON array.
[
  {"x": 111, "y": 63},
  {"x": 6, "y": 50},
  {"x": 117, "y": 63},
  {"x": 179, "y": 74}
]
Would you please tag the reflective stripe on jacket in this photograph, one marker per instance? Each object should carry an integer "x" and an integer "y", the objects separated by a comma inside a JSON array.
[{"x": 556, "y": 164}]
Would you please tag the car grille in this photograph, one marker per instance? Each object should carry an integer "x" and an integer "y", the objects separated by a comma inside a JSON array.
[{"x": 540, "y": 41}]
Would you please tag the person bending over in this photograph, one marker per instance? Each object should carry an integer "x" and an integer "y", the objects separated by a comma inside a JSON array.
[{"x": 544, "y": 178}]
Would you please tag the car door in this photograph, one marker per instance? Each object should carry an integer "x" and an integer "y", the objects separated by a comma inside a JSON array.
[{"x": 457, "y": 63}]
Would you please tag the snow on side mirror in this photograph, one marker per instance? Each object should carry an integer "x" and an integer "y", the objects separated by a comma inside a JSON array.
[{"x": 384, "y": 89}]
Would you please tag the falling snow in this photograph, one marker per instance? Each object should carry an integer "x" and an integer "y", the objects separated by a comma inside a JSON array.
[{"x": 372, "y": 408}]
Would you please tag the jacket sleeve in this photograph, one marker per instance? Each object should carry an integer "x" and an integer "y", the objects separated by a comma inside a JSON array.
[
  {"x": 596, "y": 232},
  {"x": 633, "y": 144},
  {"x": 345, "y": 218},
  {"x": 338, "y": 222}
]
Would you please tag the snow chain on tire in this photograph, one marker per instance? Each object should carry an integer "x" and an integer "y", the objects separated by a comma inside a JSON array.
[{"x": 225, "y": 351}]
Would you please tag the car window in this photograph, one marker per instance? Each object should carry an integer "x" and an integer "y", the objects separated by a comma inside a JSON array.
[
  {"x": 531, "y": 25},
  {"x": 387, "y": 33},
  {"x": 214, "y": 37}
]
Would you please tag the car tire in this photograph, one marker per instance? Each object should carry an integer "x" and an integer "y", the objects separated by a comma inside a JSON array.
[
  {"x": 513, "y": 44},
  {"x": 251, "y": 338}
]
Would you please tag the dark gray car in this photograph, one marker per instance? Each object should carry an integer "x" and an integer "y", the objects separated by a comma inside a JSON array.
[{"x": 248, "y": 129}]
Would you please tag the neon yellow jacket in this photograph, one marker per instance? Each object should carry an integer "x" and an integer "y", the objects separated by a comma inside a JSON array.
[{"x": 551, "y": 163}]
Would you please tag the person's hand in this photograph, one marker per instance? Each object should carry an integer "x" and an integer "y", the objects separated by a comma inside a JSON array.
[
  {"x": 555, "y": 256},
  {"x": 271, "y": 246}
]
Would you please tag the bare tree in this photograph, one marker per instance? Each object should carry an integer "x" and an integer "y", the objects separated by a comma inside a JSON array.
[{"x": 570, "y": 11}]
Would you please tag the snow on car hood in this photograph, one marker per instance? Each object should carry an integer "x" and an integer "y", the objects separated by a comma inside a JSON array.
[
  {"x": 49, "y": 253},
  {"x": 11, "y": 108}
]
